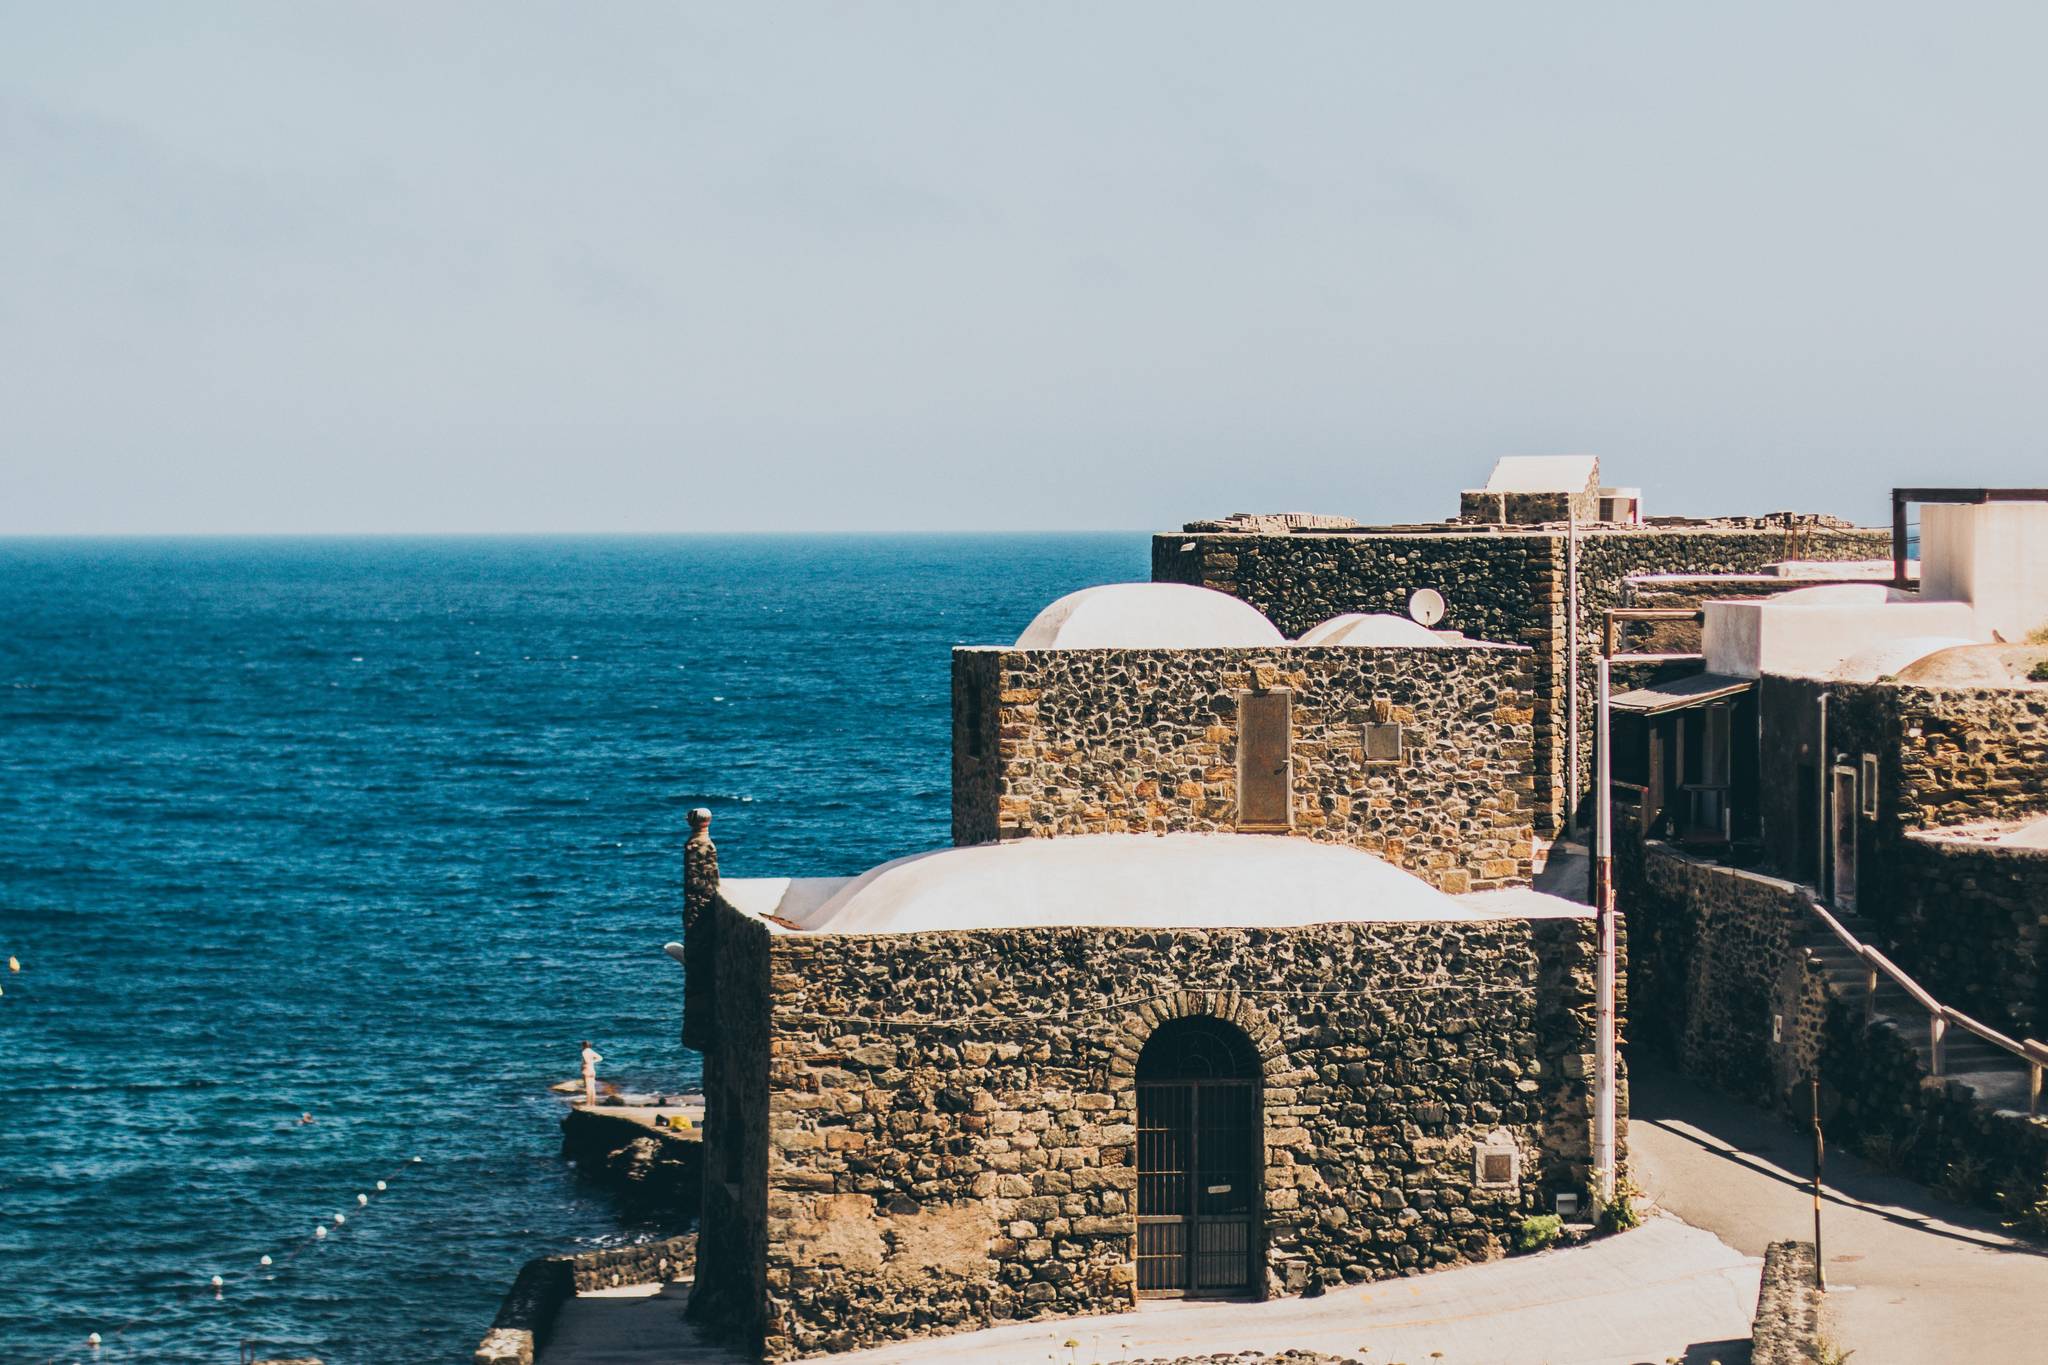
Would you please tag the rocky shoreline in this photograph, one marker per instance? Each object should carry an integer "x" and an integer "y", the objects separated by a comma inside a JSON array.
[{"x": 654, "y": 1172}]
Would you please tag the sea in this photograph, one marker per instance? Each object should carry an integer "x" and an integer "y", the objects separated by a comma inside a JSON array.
[{"x": 377, "y": 831}]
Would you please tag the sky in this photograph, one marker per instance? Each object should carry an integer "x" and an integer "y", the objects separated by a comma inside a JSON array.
[{"x": 523, "y": 267}]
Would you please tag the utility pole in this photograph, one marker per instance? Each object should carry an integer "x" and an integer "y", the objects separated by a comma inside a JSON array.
[{"x": 1820, "y": 1274}]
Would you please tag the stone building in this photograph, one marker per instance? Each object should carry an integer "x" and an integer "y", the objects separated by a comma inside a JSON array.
[
  {"x": 1874, "y": 757},
  {"x": 1200, "y": 1003},
  {"x": 1409, "y": 744},
  {"x": 1534, "y": 559}
]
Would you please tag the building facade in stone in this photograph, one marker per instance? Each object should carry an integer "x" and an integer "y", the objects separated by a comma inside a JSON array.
[
  {"x": 1417, "y": 747},
  {"x": 1886, "y": 746},
  {"x": 1204, "y": 1000},
  {"x": 1868, "y": 760},
  {"x": 1534, "y": 559}
]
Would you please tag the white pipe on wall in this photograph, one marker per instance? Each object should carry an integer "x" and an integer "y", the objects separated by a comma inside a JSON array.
[
  {"x": 1824, "y": 858},
  {"x": 1603, "y": 909},
  {"x": 1571, "y": 678}
]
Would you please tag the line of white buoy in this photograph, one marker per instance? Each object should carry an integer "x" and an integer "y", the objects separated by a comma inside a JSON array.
[{"x": 219, "y": 1283}]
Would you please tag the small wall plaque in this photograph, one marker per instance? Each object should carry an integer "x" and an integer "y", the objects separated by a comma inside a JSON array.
[
  {"x": 1497, "y": 1161},
  {"x": 1382, "y": 743}
]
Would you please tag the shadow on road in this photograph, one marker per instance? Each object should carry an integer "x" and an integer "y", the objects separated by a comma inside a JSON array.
[{"x": 1745, "y": 1137}]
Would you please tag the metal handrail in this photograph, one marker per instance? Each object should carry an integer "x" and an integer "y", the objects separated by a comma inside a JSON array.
[{"x": 2032, "y": 1053}]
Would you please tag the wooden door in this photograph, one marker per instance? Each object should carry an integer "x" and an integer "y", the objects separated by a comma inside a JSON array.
[{"x": 1842, "y": 809}]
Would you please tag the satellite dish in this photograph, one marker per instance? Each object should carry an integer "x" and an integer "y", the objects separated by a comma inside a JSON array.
[{"x": 1426, "y": 606}]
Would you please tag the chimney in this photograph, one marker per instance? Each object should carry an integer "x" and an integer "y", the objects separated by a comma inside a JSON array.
[{"x": 700, "y": 951}]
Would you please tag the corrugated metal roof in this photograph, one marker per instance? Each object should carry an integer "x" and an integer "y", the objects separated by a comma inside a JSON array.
[{"x": 1679, "y": 693}]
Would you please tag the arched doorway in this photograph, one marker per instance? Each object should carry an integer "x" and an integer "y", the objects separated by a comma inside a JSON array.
[{"x": 1199, "y": 1157}]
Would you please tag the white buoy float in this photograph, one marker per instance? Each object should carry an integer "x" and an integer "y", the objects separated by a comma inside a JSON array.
[
  {"x": 381, "y": 1187},
  {"x": 320, "y": 1232},
  {"x": 93, "y": 1338},
  {"x": 264, "y": 1261},
  {"x": 340, "y": 1218},
  {"x": 362, "y": 1199}
]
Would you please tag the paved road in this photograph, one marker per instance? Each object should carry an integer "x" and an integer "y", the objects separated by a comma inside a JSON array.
[
  {"x": 1663, "y": 1292},
  {"x": 1915, "y": 1280}
]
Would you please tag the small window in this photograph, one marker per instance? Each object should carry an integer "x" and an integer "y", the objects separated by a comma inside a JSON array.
[
  {"x": 1869, "y": 788},
  {"x": 1265, "y": 777},
  {"x": 1382, "y": 743}
]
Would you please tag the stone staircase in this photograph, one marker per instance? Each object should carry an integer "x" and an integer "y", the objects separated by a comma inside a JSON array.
[{"x": 1997, "y": 1078}]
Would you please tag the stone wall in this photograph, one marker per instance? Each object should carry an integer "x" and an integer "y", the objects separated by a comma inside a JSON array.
[
  {"x": 1051, "y": 742},
  {"x": 1715, "y": 952},
  {"x": 1970, "y": 918},
  {"x": 1609, "y": 558},
  {"x": 953, "y": 1113},
  {"x": 1947, "y": 755},
  {"x": 527, "y": 1314},
  {"x": 1963, "y": 919},
  {"x": 700, "y": 892},
  {"x": 1717, "y": 971},
  {"x": 657, "y": 1262},
  {"x": 732, "y": 1229},
  {"x": 1507, "y": 586},
  {"x": 1504, "y": 587},
  {"x": 1787, "y": 1327}
]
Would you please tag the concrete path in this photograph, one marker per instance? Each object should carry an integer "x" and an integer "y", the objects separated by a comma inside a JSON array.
[
  {"x": 1913, "y": 1279},
  {"x": 1663, "y": 1292},
  {"x": 639, "y": 1324}
]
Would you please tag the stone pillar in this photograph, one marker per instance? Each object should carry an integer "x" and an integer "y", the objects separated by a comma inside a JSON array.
[{"x": 700, "y": 948}]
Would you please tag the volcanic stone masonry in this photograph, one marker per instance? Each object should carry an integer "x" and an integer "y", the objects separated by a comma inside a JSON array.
[
  {"x": 1050, "y": 742},
  {"x": 969, "y": 1157},
  {"x": 1498, "y": 584},
  {"x": 1962, "y": 916}
]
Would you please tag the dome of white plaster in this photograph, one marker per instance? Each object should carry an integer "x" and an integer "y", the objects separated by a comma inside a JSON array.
[
  {"x": 1888, "y": 657},
  {"x": 1373, "y": 628},
  {"x": 1149, "y": 616},
  {"x": 2031, "y": 835},
  {"x": 1975, "y": 664},
  {"x": 1178, "y": 881}
]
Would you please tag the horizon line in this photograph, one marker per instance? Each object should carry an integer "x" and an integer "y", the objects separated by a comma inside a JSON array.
[{"x": 6, "y": 536}]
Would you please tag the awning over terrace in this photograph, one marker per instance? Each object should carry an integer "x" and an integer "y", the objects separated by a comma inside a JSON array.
[{"x": 1679, "y": 694}]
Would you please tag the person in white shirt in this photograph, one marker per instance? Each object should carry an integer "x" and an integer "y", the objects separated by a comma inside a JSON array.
[{"x": 591, "y": 1057}]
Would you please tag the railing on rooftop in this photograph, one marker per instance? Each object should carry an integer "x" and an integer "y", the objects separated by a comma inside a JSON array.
[{"x": 1940, "y": 1018}]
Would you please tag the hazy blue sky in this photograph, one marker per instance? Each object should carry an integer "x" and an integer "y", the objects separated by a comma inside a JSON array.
[{"x": 433, "y": 266}]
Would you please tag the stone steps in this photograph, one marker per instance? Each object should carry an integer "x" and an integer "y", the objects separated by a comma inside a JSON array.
[{"x": 1993, "y": 1075}]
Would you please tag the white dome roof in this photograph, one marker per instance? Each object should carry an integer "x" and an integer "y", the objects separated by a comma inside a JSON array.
[
  {"x": 1149, "y": 616},
  {"x": 1176, "y": 881},
  {"x": 1373, "y": 628},
  {"x": 1889, "y": 656}
]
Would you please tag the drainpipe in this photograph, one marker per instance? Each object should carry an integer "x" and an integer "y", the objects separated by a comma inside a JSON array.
[
  {"x": 1603, "y": 910},
  {"x": 1571, "y": 676},
  {"x": 1824, "y": 866}
]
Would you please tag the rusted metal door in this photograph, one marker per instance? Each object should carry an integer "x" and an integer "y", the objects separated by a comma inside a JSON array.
[
  {"x": 1265, "y": 777},
  {"x": 1198, "y": 1169}
]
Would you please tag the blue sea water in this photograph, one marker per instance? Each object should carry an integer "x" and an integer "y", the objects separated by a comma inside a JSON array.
[{"x": 380, "y": 829}]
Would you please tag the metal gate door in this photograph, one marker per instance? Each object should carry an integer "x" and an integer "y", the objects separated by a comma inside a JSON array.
[{"x": 1197, "y": 1186}]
